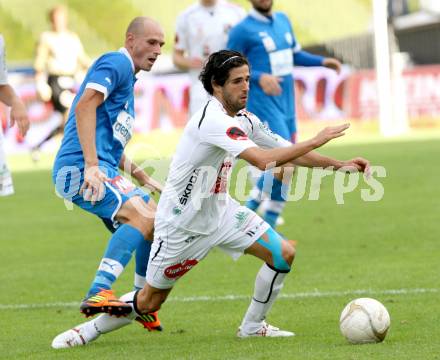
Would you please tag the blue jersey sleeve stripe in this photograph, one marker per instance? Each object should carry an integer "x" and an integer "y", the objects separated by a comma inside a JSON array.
[{"x": 98, "y": 87}]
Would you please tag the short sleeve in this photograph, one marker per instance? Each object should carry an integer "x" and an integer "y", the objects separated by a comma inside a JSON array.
[
  {"x": 181, "y": 34},
  {"x": 3, "y": 71},
  {"x": 237, "y": 39},
  {"x": 296, "y": 46},
  {"x": 261, "y": 134},
  {"x": 108, "y": 73},
  {"x": 225, "y": 133}
]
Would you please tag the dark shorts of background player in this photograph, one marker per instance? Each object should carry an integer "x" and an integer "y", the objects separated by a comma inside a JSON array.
[{"x": 56, "y": 84}]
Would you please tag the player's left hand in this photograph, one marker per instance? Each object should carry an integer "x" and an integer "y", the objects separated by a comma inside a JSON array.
[
  {"x": 332, "y": 63},
  {"x": 19, "y": 116},
  {"x": 152, "y": 185}
]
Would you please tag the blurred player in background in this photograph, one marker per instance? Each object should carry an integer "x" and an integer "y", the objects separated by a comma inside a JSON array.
[
  {"x": 18, "y": 116},
  {"x": 196, "y": 212},
  {"x": 267, "y": 39},
  {"x": 86, "y": 169},
  {"x": 201, "y": 30},
  {"x": 60, "y": 64}
]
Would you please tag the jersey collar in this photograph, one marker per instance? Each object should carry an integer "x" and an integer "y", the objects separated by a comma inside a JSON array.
[
  {"x": 127, "y": 54},
  {"x": 217, "y": 103},
  {"x": 260, "y": 17}
]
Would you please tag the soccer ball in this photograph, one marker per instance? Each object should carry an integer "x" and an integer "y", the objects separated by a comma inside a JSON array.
[{"x": 364, "y": 321}]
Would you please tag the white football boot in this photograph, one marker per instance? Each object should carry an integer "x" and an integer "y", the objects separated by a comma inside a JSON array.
[
  {"x": 265, "y": 331},
  {"x": 74, "y": 337}
]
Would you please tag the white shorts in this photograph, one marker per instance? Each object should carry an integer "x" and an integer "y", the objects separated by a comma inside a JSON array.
[{"x": 175, "y": 251}]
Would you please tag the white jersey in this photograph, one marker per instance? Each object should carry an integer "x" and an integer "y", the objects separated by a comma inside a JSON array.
[
  {"x": 60, "y": 53},
  {"x": 6, "y": 187},
  {"x": 3, "y": 72},
  {"x": 196, "y": 191},
  {"x": 200, "y": 31}
]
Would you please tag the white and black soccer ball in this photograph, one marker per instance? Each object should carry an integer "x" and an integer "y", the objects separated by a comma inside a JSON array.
[{"x": 364, "y": 320}]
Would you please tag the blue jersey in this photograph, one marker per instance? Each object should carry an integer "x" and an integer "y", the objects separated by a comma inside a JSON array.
[
  {"x": 113, "y": 75},
  {"x": 269, "y": 44}
]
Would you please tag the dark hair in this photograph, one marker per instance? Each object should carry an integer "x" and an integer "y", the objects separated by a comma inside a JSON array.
[{"x": 218, "y": 66}]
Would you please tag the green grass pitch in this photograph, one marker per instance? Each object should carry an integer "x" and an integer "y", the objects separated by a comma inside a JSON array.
[{"x": 388, "y": 250}]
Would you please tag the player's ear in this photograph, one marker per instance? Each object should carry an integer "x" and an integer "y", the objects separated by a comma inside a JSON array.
[
  {"x": 215, "y": 86},
  {"x": 129, "y": 38}
]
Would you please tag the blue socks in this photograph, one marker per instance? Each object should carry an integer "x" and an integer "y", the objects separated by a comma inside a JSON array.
[
  {"x": 142, "y": 255},
  {"x": 277, "y": 192},
  {"x": 117, "y": 255}
]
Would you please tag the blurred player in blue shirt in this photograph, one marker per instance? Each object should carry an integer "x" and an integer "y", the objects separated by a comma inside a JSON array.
[
  {"x": 267, "y": 39},
  {"x": 86, "y": 167}
]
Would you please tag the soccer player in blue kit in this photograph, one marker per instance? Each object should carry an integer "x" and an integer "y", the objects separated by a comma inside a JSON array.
[
  {"x": 86, "y": 172},
  {"x": 267, "y": 39}
]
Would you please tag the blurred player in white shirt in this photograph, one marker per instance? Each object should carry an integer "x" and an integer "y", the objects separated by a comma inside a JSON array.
[
  {"x": 60, "y": 63},
  {"x": 196, "y": 213},
  {"x": 201, "y": 30},
  {"x": 18, "y": 116}
]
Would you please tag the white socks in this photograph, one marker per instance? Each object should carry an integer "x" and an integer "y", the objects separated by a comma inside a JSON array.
[
  {"x": 105, "y": 323},
  {"x": 6, "y": 187},
  {"x": 139, "y": 281},
  {"x": 267, "y": 287}
]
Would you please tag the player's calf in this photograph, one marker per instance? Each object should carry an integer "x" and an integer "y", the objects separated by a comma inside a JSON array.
[
  {"x": 278, "y": 255},
  {"x": 149, "y": 299}
]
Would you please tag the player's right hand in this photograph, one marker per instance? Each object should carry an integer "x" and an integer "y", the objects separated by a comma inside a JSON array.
[
  {"x": 93, "y": 187},
  {"x": 19, "y": 116},
  {"x": 330, "y": 133},
  {"x": 270, "y": 84}
]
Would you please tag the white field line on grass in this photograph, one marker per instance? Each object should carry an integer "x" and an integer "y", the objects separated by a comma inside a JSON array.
[{"x": 301, "y": 295}]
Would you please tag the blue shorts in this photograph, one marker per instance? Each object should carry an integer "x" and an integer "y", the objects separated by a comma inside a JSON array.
[{"x": 117, "y": 191}]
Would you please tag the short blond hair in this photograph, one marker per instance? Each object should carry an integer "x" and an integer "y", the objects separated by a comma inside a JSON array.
[{"x": 55, "y": 9}]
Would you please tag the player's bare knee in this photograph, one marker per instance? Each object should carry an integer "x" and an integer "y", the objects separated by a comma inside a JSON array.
[
  {"x": 288, "y": 252},
  {"x": 144, "y": 225},
  {"x": 139, "y": 215}
]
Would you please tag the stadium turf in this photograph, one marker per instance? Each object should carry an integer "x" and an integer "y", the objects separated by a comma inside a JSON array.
[{"x": 387, "y": 250}]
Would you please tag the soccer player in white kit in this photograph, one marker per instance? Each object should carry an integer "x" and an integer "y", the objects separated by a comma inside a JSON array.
[
  {"x": 18, "y": 115},
  {"x": 201, "y": 30},
  {"x": 196, "y": 213}
]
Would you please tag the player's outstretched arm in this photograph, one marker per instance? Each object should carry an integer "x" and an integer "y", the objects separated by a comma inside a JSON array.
[
  {"x": 314, "y": 159},
  {"x": 264, "y": 159}
]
